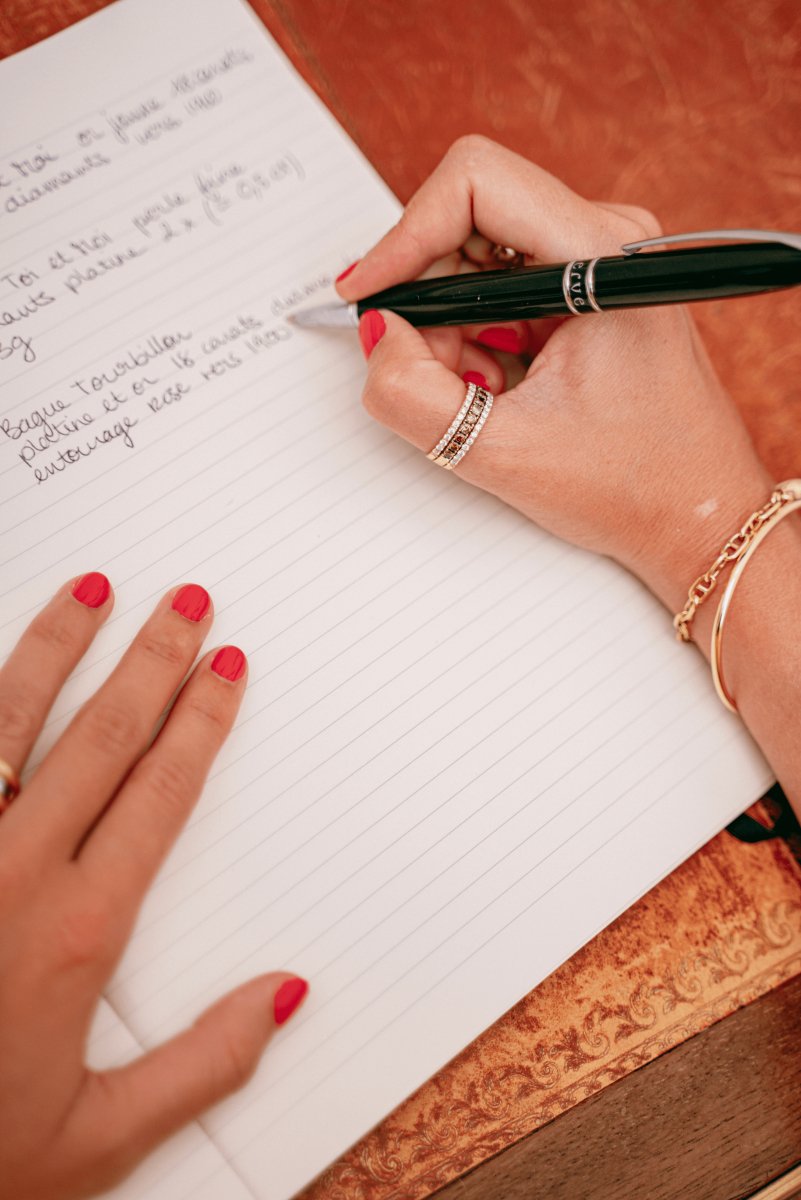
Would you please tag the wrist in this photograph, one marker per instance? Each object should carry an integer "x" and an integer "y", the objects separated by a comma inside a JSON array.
[{"x": 689, "y": 536}]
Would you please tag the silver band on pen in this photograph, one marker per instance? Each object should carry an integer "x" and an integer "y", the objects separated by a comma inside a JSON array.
[{"x": 578, "y": 286}]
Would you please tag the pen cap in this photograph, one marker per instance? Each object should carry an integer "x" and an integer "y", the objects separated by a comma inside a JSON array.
[{"x": 702, "y": 273}]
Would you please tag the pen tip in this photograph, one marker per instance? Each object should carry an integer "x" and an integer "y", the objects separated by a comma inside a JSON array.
[{"x": 326, "y": 316}]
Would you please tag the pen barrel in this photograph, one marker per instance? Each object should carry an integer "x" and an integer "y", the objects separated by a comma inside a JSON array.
[
  {"x": 475, "y": 298},
  {"x": 623, "y": 281}
]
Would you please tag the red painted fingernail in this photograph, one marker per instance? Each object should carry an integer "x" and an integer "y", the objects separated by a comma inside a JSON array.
[
  {"x": 475, "y": 377},
  {"x": 501, "y": 338},
  {"x": 229, "y": 663},
  {"x": 372, "y": 328},
  {"x": 347, "y": 271},
  {"x": 288, "y": 997},
  {"x": 92, "y": 589},
  {"x": 192, "y": 601}
]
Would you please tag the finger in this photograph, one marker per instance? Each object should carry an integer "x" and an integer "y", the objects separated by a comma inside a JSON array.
[
  {"x": 508, "y": 199},
  {"x": 135, "y": 1107},
  {"x": 410, "y": 391},
  {"x": 540, "y": 331},
  {"x": 469, "y": 362},
  {"x": 446, "y": 343},
  {"x": 80, "y": 774},
  {"x": 451, "y": 264},
  {"x": 44, "y": 657},
  {"x": 477, "y": 366},
  {"x": 644, "y": 224},
  {"x": 126, "y": 847},
  {"x": 512, "y": 337},
  {"x": 480, "y": 251}
]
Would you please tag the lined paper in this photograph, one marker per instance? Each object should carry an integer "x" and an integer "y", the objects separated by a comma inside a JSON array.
[{"x": 465, "y": 746}]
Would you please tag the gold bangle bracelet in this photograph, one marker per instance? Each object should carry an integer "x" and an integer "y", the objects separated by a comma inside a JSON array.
[{"x": 791, "y": 488}]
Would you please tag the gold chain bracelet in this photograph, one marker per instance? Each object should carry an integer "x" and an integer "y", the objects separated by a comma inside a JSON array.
[
  {"x": 790, "y": 494},
  {"x": 732, "y": 552}
]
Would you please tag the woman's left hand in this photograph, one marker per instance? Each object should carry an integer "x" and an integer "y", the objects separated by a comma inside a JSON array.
[{"x": 78, "y": 848}]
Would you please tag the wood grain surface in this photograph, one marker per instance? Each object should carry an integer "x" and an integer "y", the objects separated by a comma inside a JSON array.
[{"x": 715, "y": 1119}]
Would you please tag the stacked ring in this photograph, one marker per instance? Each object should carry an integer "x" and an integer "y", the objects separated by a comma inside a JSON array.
[
  {"x": 9, "y": 785},
  {"x": 463, "y": 429}
]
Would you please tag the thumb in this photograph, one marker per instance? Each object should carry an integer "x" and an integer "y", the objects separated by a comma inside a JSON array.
[
  {"x": 140, "y": 1105},
  {"x": 412, "y": 392}
]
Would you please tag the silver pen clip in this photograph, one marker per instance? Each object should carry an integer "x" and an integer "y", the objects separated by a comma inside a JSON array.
[{"x": 751, "y": 235}]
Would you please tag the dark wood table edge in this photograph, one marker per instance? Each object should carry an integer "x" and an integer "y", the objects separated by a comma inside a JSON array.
[{"x": 622, "y": 1143}]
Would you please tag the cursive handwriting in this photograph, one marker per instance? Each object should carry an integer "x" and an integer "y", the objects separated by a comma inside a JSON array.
[
  {"x": 132, "y": 360},
  {"x": 200, "y": 76},
  {"x": 119, "y": 431},
  {"x": 23, "y": 197}
]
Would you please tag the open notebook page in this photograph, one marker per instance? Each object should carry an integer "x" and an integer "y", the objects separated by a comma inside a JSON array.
[{"x": 465, "y": 746}]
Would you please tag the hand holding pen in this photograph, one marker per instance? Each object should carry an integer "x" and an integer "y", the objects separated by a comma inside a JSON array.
[
  {"x": 619, "y": 425},
  {"x": 618, "y": 437}
]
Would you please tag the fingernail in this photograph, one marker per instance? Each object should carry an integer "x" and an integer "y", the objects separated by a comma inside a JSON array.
[
  {"x": 288, "y": 997},
  {"x": 192, "y": 601},
  {"x": 372, "y": 328},
  {"x": 347, "y": 271},
  {"x": 229, "y": 663},
  {"x": 92, "y": 589},
  {"x": 475, "y": 377},
  {"x": 501, "y": 338}
]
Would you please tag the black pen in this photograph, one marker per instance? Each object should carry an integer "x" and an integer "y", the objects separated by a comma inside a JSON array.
[{"x": 766, "y": 262}]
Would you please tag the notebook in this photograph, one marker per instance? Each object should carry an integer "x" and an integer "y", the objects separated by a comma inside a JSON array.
[{"x": 465, "y": 746}]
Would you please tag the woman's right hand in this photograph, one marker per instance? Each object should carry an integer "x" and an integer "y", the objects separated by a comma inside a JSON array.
[{"x": 620, "y": 437}]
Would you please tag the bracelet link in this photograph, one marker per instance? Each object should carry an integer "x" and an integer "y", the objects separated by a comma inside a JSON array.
[
  {"x": 784, "y": 499},
  {"x": 732, "y": 552}
]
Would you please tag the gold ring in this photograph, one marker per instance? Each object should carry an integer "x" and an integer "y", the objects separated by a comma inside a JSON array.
[
  {"x": 463, "y": 429},
  {"x": 508, "y": 256},
  {"x": 9, "y": 785}
]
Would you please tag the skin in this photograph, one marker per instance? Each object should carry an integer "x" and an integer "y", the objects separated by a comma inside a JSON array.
[
  {"x": 78, "y": 849},
  {"x": 617, "y": 435}
]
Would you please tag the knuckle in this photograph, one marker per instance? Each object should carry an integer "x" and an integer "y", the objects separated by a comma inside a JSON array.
[
  {"x": 110, "y": 728},
  {"x": 209, "y": 713},
  {"x": 171, "y": 783},
  {"x": 54, "y": 633},
  {"x": 470, "y": 148},
  {"x": 162, "y": 649},
  {"x": 19, "y": 720},
  {"x": 407, "y": 226},
  {"x": 238, "y": 1061}
]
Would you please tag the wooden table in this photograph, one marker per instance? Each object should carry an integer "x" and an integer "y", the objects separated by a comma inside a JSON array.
[{"x": 692, "y": 109}]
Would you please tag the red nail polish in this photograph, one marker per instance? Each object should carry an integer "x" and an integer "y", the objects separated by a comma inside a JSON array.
[
  {"x": 229, "y": 663},
  {"x": 347, "y": 271},
  {"x": 92, "y": 589},
  {"x": 192, "y": 601},
  {"x": 288, "y": 997},
  {"x": 475, "y": 377},
  {"x": 372, "y": 328},
  {"x": 501, "y": 338}
]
